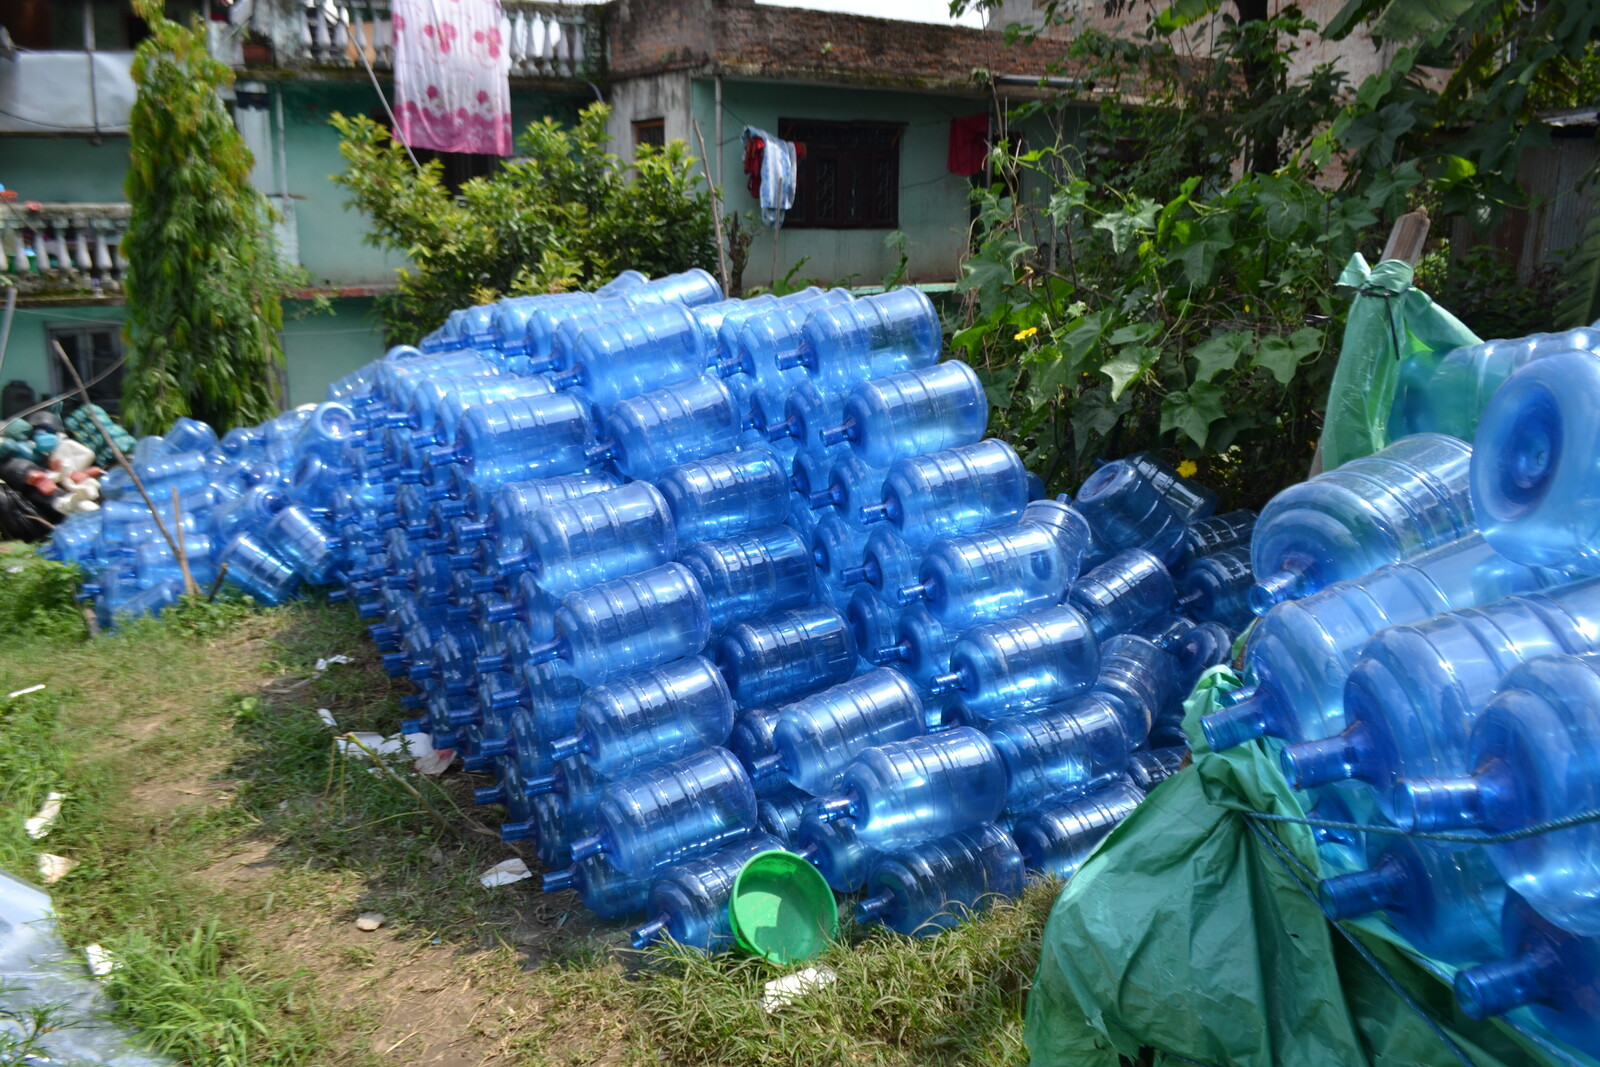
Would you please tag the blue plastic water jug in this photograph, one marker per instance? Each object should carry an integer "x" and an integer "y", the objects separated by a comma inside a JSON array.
[
  {"x": 902, "y": 792},
  {"x": 1022, "y": 663},
  {"x": 1055, "y": 840},
  {"x": 817, "y": 736},
  {"x": 786, "y": 655},
  {"x": 689, "y": 902},
  {"x": 752, "y": 575},
  {"x": 931, "y": 885},
  {"x": 652, "y": 717}
]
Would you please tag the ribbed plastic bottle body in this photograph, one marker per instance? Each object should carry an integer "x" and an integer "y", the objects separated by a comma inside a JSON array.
[
  {"x": 1123, "y": 592},
  {"x": 1061, "y": 751},
  {"x": 1216, "y": 588},
  {"x": 834, "y": 849},
  {"x": 890, "y": 560},
  {"x": 907, "y": 791},
  {"x": 961, "y": 490},
  {"x": 596, "y": 538},
  {"x": 1024, "y": 663},
  {"x": 635, "y": 354},
  {"x": 929, "y": 886},
  {"x": 726, "y": 495},
  {"x": 512, "y": 503},
  {"x": 1191, "y": 501},
  {"x": 785, "y": 655},
  {"x": 1055, "y": 840},
  {"x": 692, "y": 897},
  {"x": 873, "y": 621},
  {"x": 1455, "y": 395},
  {"x": 652, "y": 717},
  {"x": 257, "y": 570},
  {"x": 1149, "y": 767},
  {"x": 1447, "y": 904},
  {"x": 1534, "y": 460},
  {"x": 872, "y": 337},
  {"x": 672, "y": 813},
  {"x": 1551, "y": 971},
  {"x": 1127, "y": 511},
  {"x": 666, "y": 427},
  {"x": 752, "y": 575},
  {"x": 454, "y": 404},
  {"x": 1412, "y": 696},
  {"x": 1071, "y": 530},
  {"x": 608, "y": 892},
  {"x": 1220, "y": 532},
  {"x": 779, "y": 812},
  {"x": 531, "y": 437},
  {"x": 1144, "y": 680},
  {"x": 926, "y": 410},
  {"x": 1302, "y": 651},
  {"x": 1533, "y": 757},
  {"x": 1412, "y": 496},
  {"x": 837, "y": 547},
  {"x": 633, "y": 623},
  {"x": 992, "y": 575},
  {"x": 817, "y": 736},
  {"x": 296, "y": 535}
]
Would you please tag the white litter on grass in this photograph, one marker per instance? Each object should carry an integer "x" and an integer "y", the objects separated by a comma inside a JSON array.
[
  {"x": 53, "y": 868},
  {"x": 369, "y": 921},
  {"x": 101, "y": 961},
  {"x": 504, "y": 873},
  {"x": 327, "y": 718},
  {"x": 324, "y": 664},
  {"x": 397, "y": 748},
  {"x": 25, "y": 692},
  {"x": 782, "y": 991},
  {"x": 49, "y": 812}
]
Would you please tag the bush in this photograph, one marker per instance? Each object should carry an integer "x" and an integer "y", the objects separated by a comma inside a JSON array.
[
  {"x": 566, "y": 214},
  {"x": 39, "y": 598}
]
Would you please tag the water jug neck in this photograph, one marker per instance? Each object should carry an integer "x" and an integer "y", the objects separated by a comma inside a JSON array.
[
  {"x": 1362, "y": 892},
  {"x": 493, "y": 747},
  {"x": 766, "y": 766},
  {"x": 516, "y": 831},
  {"x": 601, "y": 451},
  {"x": 421, "y": 672},
  {"x": 467, "y": 716},
  {"x": 508, "y": 699},
  {"x": 394, "y": 663},
  {"x": 556, "y": 881},
  {"x": 476, "y": 763},
  {"x": 1274, "y": 589},
  {"x": 398, "y": 420},
  {"x": 1428, "y": 804},
  {"x": 585, "y": 847},
  {"x": 875, "y": 907},
  {"x": 409, "y": 727},
  {"x": 892, "y": 653},
  {"x": 777, "y": 431},
  {"x": 563, "y": 748},
  {"x": 910, "y": 594},
  {"x": 943, "y": 683},
  {"x": 848, "y": 430},
  {"x": 1495, "y": 988},
  {"x": 646, "y": 934},
  {"x": 1331, "y": 759},
  {"x": 542, "y": 784},
  {"x": 871, "y": 513},
  {"x": 832, "y": 809},
  {"x": 856, "y": 575},
  {"x": 490, "y": 662},
  {"x": 549, "y": 652},
  {"x": 823, "y": 498},
  {"x": 808, "y": 852},
  {"x": 575, "y": 375},
  {"x": 489, "y": 794},
  {"x": 468, "y": 532},
  {"x": 445, "y": 455},
  {"x": 1244, "y": 720}
]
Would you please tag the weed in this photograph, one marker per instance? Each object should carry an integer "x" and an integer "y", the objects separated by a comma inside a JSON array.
[{"x": 38, "y": 600}]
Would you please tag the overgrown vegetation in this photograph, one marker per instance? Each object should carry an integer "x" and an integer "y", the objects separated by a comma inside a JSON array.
[
  {"x": 564, "y": 214},
  {"x": 204, "y": 280},
  {"x": 1131, "y": 288}
]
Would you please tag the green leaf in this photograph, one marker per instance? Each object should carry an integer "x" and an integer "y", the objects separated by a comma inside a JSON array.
[
  {"x": 1282, "y": 356},
  {"x": 1347, "y": 18},
  {"x": 1193, "y": 411},
  {"x": 1218, "y": 354},
  {"x": 1060, "y": 365},
  {"x": 1129, "y": 363},
  {"x": 1184, "y": 13},
  {"x": 1135, "y": 218},
  {"x": 1409, "y": 20},
  {"x": 1135, "y": 333},
  {"x": 1581, "y": 305},
  {"x": 1199, "y": 247}
]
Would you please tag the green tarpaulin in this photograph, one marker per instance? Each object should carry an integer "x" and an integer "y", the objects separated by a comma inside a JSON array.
[{"x": 1185, "y": 935}]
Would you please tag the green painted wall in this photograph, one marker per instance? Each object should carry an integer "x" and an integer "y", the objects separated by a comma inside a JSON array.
[
  {"x": 28, "y": 357},
  {"x": 319, "y": 349},
  {"x": 64, "y": 169}
]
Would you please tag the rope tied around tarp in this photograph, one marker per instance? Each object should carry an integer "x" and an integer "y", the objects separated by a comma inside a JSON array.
[{"x": 1550, "y": 826}]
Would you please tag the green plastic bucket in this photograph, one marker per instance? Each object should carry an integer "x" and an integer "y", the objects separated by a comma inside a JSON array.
[{"x": 781, "y": 908}]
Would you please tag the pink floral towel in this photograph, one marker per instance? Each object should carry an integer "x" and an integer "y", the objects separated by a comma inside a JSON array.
[{"x": 450, "y": 75}]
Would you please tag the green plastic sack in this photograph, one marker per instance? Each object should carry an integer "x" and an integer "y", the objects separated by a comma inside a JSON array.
[
  {"x": 1184, "y": 935},
  {"x": 1390, "y": 324}
]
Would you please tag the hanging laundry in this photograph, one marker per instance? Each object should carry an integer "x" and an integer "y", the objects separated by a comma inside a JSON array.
[
  {"x": 451, "y": 71},
  {"x": 969, "y": 144},
  {"x": 772, "y": 170}
]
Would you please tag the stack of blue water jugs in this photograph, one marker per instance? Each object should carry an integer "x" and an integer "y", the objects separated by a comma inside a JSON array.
[
  {"x": 1428, "y": 655},
  {"x": 695, "y": 578}
]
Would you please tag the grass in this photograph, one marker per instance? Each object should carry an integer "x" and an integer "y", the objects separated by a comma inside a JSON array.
[{"x": 223, "y": 848}]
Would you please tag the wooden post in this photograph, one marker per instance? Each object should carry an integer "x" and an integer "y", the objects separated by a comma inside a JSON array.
[{"x": 716, "y": 213}]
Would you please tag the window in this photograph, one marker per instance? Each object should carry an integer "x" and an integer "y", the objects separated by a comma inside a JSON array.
[
  {"x": 92, "y": 349},
  {"x": 848, "y": 174},
  {"x": 651, "y": 132},
  {"x": 74, "y": 25}
]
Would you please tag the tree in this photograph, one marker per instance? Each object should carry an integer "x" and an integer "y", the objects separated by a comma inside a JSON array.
[
  {"x": 204, "y": 281},
  {"x": 565, "y": 214}
]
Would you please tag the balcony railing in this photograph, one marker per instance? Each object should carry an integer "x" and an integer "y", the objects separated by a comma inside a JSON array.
[
  {"x": 45, "y": 247},
  {"x": 552, "y": 41}
]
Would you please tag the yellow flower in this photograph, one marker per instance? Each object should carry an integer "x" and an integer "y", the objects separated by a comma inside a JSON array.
[
  {"x": 1188, "y": 468},
  {"x": 1023, "y": 335}
]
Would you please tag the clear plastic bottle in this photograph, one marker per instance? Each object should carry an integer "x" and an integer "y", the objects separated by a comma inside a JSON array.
[
  {"x": 1533, "y": 461},
  {"x": 604, "y": 890},
  {"x": 726, "y": 495},
  {"x": 1149, "y": 767},
  {"x": 957, "y": 491},
  {"x": 595, "y": 538},
  {"x": 656, "y": 716},
  {"x": 689, "y": 902},
  {"x": 1411, "y": 698},
  {"x": 510, "y": 504},
  {"x": 931, "y": 885},
  {"x": 817, "y": 736},
  {"x": 1447, "y": 904},
  {"x": 629, "y": 624},
  {"x": 1218, "y": 533},
  {"x": 837, "y": 548},
  {"x": 921, "y": 648},
  {"x": 1124, "y": 591},
  {"x": 779, "y": 813},
  {"x": 1055, "y": 840},
  {"x": 1191, "y": 501},
  {"x": 647, "y": 434},
  {"x": 750, "y": 740},
  {"x": 926, "y": 410},
  {"x": 1071, "y": 530},
  {"x": 991, "y": 575},
  {"x": 872, "y": 337},
  {"x": 1061, "y": 751},
  {"x": 1398, "y": 503},
  {"x": 872, "y": 622},
  {"x": 852, "y": 485},
  {"x": 888, "y": 562},
  {"x": 1302, "y": 651},
  {"x": 764, "y": 343},
  {"x": 630, "y": 355},
  {"x": 902, "y": 792},
  {"x": 834, "y": 849},
  {"x": 786, "y": 655},
  {"x": 1142, "y": 678},
  {"x": 1022, "y": 663},
  {"x": 1127, "y": 511},
  {"x": 189, "y": 435},
  {"x": 671, "y": 813},
  {"x": 752, "y": 575},
  {"x": 1216, "y": 588},
  {"x": 305, "y": 544},
  {"x": 530, "y": 437},
  {"x": 258, "y": 571},
  {"x": 807, "y": 413},
  {"x": 1533, "y": 757}
]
